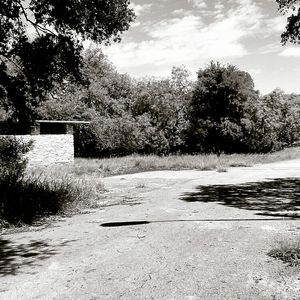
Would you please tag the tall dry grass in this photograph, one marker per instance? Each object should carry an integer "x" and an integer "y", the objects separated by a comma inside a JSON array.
[
  {"x": 89, "y": 185},
  {"x": 140, "y": 163},
  {"x": 44, "y": 192}
]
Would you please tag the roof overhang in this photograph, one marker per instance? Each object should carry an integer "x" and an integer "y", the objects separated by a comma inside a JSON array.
[{"x": 62, "y": 122}]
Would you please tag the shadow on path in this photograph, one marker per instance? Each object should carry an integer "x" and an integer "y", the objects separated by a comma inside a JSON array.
[
  {"x": 134, "y": 223},
  {"x": 15, "y": 256},
  {"x": 279, "y": 197}
]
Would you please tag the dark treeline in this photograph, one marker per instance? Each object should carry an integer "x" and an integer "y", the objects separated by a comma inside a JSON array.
[{"x": 220, "y": 112}]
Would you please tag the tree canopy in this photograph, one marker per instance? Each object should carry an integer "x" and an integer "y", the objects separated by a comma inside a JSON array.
[
  {"x": 219, "y": 109},
  {"x": 221, "y": 112},
  {"x": 41, "y": 43},
  {"x": 292, "y": 30}
]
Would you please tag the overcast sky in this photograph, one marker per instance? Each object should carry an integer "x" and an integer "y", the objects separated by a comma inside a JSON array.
[{"x": 245, "y": 33}]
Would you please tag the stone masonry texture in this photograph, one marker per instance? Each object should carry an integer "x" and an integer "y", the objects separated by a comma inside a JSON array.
[{"x": 49, "y": 149}]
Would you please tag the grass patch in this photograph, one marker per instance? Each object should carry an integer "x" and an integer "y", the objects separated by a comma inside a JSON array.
[
  {"x": 31, "y": 198},
  {"x": 287, "y": 251},
  {"x": 89, "y": 182},
  {"x": 140, "y": 163},
  {"x": 41, "y": 193}
]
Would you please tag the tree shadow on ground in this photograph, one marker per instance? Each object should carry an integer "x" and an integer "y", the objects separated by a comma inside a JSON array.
[
  {"x": 278, "y": 197},
  {"x": 13, "y": 257},
  {"x": 136, "y": 223}
]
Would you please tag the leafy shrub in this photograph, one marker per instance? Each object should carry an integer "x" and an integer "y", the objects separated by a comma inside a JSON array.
[{"x": 12, "y": 157}]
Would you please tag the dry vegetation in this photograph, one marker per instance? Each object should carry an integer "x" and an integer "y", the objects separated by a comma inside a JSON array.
[
  {"x": 138, "y": 163},
  {"x": 287, "y": 250}
]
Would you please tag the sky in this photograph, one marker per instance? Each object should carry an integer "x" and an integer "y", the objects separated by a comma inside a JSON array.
[{"x": 245, "y": 33}]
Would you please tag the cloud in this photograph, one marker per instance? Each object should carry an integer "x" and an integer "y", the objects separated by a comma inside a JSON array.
[
  {"x": 135, "y": 24},
  {"x": 270, "y": 48},
  {"x": 174, "y": 29},
  {"x": 180, "y": 12},
  {"x": 139, "y": 8},
  {"x": 274, "y": 25},
  {"x": 198, "y": 3},
  {"x": 290, "y": 52},
  {"x": 219, "y": 6},
  {"x": 188, "y": 39},
  {"x": 254, "y": 72}
]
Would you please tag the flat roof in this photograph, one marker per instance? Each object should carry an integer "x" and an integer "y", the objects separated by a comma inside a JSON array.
[{"x": 62, "y": 122}]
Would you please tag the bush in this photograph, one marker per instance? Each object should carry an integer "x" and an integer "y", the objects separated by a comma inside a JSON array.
[
  {"x": 12, "y": 157},
  {"x": 27, "y": 198}
]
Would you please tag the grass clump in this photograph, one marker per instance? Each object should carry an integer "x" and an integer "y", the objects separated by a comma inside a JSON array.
[
  {"x": 28, "y": 199},
  {"x": 287, "y": 251}
]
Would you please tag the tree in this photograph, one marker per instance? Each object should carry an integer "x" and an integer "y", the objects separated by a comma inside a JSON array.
[
  {"x": 41, "y": 44},
  {"x": 105, "y": 101},
  {"x": 164, "y": 102},
  {"x": 218, "y": 112},
  {"x": 83, "y": 102},
  {"x": 292, "y": 30},
  {"x": 180, "y": 81},
  {"x": 275, "y": 123},
  {"x": 128, "y": 115}
]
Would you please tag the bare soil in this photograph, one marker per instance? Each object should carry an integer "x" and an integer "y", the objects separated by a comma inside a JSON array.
[{"x": 157, "y": 245}]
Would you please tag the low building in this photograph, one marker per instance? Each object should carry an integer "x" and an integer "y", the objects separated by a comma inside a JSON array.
[{"x": 53, "y": 141}]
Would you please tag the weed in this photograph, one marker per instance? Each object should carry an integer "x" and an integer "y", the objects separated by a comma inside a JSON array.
[
  {"x": 221, "y": 170},
  {"x": 287, "y": 251},
  {"x": 137, "y": 163},
  {"x": 140, "y": 185}
]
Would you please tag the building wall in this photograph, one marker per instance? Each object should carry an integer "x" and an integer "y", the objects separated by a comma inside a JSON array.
[{"x": 50, "y": 149}]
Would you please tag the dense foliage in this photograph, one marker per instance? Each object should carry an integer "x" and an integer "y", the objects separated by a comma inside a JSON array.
[
  {"x": 275, "y": 123},
  {"x": 228, "y": 115},
  {"x": 128, "y": 115},
  {"x": 41, "y": 43},
  {"x": 12, "y": 157},
  {"x": 292, "y": 30},
  {"x": 220, "y": 112}
]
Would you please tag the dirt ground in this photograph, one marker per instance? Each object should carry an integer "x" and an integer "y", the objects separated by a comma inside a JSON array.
[{"x": 190, "y": 249}]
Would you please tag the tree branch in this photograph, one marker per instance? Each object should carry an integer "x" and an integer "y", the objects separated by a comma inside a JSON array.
[
  {"x": 36, "y": 26},
  {"x": 10, "y": 60}
]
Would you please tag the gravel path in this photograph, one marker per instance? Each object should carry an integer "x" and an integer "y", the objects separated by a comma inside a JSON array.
[{"x": 188, "y": 250}]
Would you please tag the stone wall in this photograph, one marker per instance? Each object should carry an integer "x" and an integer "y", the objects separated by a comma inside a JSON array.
[{"x": 50, "y": 149}]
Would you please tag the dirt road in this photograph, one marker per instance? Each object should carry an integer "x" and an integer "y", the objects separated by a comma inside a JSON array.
[{"x": 192, "y": 247}]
